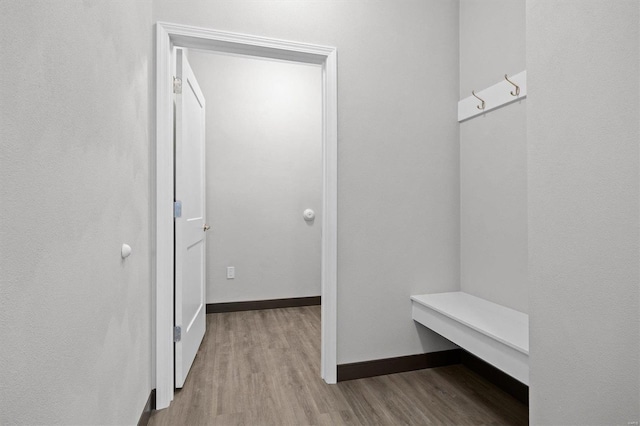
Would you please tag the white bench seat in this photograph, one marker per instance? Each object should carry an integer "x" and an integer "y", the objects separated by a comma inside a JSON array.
[{"x": 494, "y": 333}]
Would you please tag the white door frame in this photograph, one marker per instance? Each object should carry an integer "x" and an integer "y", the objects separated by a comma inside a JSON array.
[{"x": 167, "y": 36}]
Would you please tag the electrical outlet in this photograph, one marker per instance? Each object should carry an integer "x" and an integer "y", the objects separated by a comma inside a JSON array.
[{"x": 231, "y": 272}]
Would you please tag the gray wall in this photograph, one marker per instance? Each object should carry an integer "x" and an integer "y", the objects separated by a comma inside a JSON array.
[
  {"x": 74, "y": 124},
  {"x": 582, "y": 141},
  {"x": 74, "y": 167},
  {"x": 492, "y": 42},
  {"x": 398, "y": 189},
  {"x": 264, "y": 167},
  {"x": 493, "y": 157}
]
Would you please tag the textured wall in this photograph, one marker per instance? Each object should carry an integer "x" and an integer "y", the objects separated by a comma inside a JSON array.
[
  {"x": 582, "y": 140},
  {"x": 493, "y": 157},
  {"x": 398, "y": 178},
  {"x": 264, "y": 167},
  {"x": 74, "y": 167},
  {"x": 492, "y": 42}
]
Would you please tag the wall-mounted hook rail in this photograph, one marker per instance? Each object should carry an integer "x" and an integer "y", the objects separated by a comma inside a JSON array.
[
  {"x": 517, "y": 92},
  {"x": 499, "y": 94},
  {"x": 482, "y": 105}
]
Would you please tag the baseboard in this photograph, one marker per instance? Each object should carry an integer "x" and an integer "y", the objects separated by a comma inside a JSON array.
[
  {"x": 254, "y": 305},
  {"x": 379, "y": 367},
  {"x": 148, "y": 409},
  {"x": 513, "y": 387}
]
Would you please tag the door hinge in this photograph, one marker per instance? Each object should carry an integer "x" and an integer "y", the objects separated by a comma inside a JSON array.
[
  {"x": 177, "y": 209},
  {"x": 177, "y": 333},
  {"x": 177, "y": 85}
]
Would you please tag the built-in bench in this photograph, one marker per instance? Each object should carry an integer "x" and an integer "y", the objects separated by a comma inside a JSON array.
[{"x": 494, "y": 333}]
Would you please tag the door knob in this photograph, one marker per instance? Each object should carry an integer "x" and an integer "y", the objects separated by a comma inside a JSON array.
[
  {"x": 309, "y": 215},
  {"x": 206, "y": 227}
]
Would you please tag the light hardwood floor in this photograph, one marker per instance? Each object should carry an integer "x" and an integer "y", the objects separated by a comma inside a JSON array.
[{"x": 262, "y": 368}]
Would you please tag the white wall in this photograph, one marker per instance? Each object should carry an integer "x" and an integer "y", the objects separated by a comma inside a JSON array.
[
  {"x": 398, "y": 177},
  {"x": 493, "y": 157},
  {"x": 74, "y": 167},
  {"x": 264, "y": 167},
  {"x": 582, "y": 139}
]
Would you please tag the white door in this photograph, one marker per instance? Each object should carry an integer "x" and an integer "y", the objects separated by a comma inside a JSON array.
[{"x": 190, "y": 227}]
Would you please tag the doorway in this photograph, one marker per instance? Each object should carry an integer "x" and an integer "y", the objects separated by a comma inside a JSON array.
[
  {"x": 263, "y": 163},
  {"x": 169, "y": 36}
]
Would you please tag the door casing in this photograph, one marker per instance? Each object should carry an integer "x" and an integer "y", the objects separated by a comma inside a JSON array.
[{"x": 168, "y": 36}]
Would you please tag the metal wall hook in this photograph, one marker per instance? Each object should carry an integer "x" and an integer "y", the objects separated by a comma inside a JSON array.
[
  {"x": 481, "y": 106},
  {"x": 517, "y": 87}
]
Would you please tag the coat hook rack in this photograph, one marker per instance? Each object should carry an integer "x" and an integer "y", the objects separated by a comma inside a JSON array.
[
  {"x": 517, "y": 92},
  {"x": 493, "y": 97},
  {"x": 481, "y": 106}
]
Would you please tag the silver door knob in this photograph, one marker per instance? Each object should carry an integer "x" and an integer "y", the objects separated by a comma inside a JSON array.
[{"x": 206, "y": 227}]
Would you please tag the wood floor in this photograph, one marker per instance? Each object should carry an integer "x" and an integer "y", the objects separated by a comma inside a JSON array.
[{"x": 262, "y": 368}]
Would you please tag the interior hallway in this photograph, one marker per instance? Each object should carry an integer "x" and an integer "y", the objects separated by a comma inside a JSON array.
[{"x": 261, "y": 367}]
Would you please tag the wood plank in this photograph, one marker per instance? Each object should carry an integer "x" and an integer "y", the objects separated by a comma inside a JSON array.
[{"x": 262, "y": 368}]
